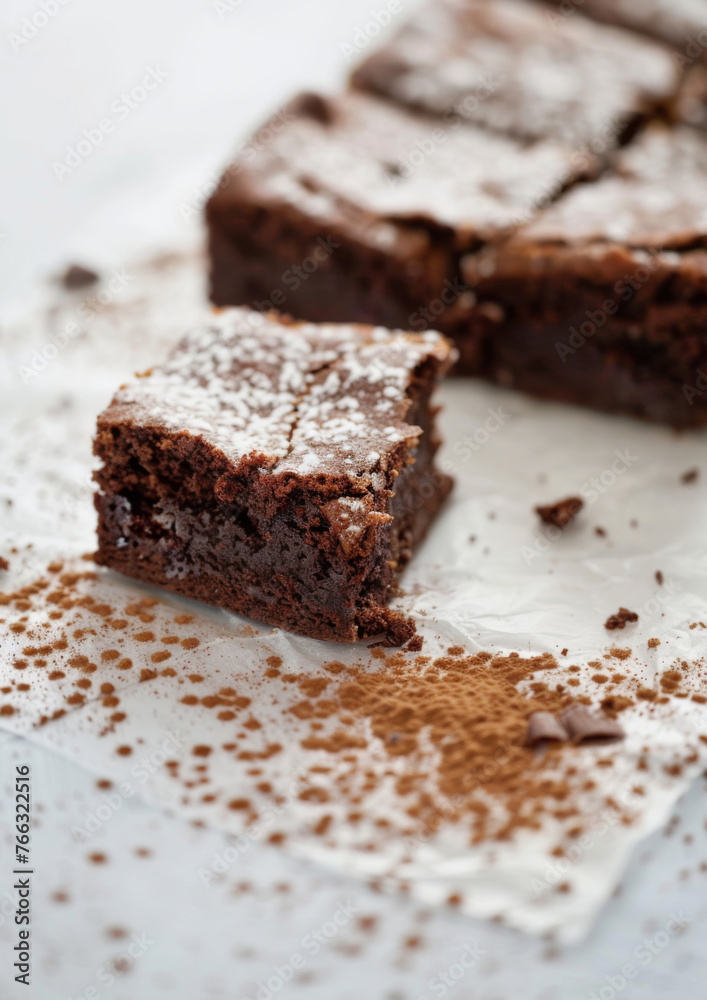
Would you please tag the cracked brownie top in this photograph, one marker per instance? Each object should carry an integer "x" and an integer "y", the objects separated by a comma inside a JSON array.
[
  {"x": 376, "y": 172},
  {"x": 287, "y": 397},
  {"x": 522, "y": 70}
]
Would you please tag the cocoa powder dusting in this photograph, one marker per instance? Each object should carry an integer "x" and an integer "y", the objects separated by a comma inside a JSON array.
[{"x": 469, "y": 709}]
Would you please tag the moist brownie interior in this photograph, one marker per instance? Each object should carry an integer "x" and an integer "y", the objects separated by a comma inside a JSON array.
[{"x": 282, "y": 471}]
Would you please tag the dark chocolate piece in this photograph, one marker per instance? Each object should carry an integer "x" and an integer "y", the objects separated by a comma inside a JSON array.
[
  {"x": 282, "y": 471},
  {"x": 584, "y": 726},
  {"x": 543, "y": 727}
]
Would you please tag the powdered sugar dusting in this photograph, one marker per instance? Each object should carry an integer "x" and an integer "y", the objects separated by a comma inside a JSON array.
[
  {"x": 376, "y": 166},
  {"x": 289, "y": 397},
  {"x": 505, "y": 66}
]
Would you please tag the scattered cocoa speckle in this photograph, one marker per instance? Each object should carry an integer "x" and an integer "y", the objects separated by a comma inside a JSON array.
[
  {"x": 184, "y": 619},
  {"x": 160, "y": 656},
  {"x": 144, "y": 636},
  {"x": 276, "y": 837},
  {"x": 190, "y": 643},
  {"x": 97, "y": 858},
  {"x": 146, "y": 674},
  {"x": 659, "y": 578},
  {"x": 77, "y": 276},
  {"x": 617, "y": 653},
  {"x": 561, "y": 513},
  {"x": 690, "y": 476},
  {"x": 4, "y": 564},
  {"x": 239, "y": 804},
  {"x": 143, "y": 852},
  {"x": 620, "y": 619},
  {"x": 202, "y": 751},
  {"x": 124, "y": 751}
]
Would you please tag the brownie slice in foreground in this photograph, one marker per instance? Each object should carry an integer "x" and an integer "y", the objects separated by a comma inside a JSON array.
[
  {"x": 283, "y": 471},
  {"x": 355, "y": 210},
  {"x": 603, "y": 299},
  {"x": 508, "y": 66}
]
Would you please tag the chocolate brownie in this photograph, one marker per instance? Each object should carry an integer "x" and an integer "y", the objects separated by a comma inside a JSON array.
[
  {"x": 358, "y": 211},
  {"x": 678, "y": 22},
  {"x": 603, "y": 299},
  {"x": 505, "y": 66},
  {"x": 283, "y": 471}
]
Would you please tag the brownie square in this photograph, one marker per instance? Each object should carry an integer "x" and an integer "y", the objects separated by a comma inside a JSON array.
[
  {"x": 518, "y": 68},
  {"x": 283, "y": 471},
  {"x": 678, "y": 22},
  {"x": 603, "y": 299},
  {"x": 356, "y": 210}
]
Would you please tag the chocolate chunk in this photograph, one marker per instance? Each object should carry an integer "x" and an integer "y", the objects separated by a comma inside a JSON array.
[
  {"x": 561, "y": 513},
  {"x": 584, "y": 726},
  {"x": 544, "y": 726},
  {"x": 620, "y": 619},
  {"x": 77, "y": 276}
]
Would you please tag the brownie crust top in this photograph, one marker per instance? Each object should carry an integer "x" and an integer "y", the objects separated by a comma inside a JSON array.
[
  {"x": 521, "y": 69},
  {"x": 286, "y": 397},
  {"x": 365, "y": 166},
  {"x": 655, "y": 197}
]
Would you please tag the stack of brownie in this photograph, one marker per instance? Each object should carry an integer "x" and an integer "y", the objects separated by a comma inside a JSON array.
[
  {"x": 511, "y": 174},
  {"x": 521, "y": 177}
]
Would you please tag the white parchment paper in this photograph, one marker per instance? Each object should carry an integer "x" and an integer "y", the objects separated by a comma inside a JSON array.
[{"x": 488, "y": 577}]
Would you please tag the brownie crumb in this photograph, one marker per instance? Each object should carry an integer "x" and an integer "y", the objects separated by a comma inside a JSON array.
[
  {"x": 77, "y": 276},
  {"x": 415, "y": 644},
  {"x": 690, "y": 476},
  {"x": 659, "y": 578},
  {"x": 653, "y": 643},
  {"x": 4, "y": 564},
  {"x": 565, "y": 651},
  {"x": 620, "y": 619},
  {"x": 561, "y": 513}
]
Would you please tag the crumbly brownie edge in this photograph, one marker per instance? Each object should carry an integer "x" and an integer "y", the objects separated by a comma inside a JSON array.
[{"x": 216, "y": 552}]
